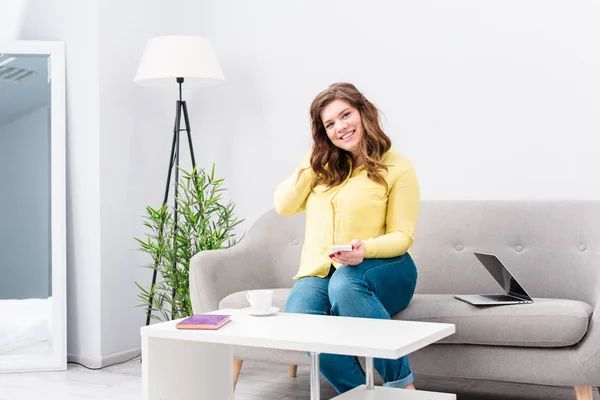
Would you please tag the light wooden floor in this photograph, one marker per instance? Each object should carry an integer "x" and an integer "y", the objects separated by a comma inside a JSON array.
[{"x": 258, "y": 381}]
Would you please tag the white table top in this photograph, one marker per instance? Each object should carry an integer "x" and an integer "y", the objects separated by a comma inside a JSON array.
[{"x": 313, "y": 333}]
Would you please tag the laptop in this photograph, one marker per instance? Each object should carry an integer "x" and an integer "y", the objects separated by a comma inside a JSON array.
[{"x": 514, "y": 292}]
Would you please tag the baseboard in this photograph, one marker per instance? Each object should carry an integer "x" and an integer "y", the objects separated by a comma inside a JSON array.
[
  {"x": 120, "y": 357},
  {"x": 105, "y": 361}
]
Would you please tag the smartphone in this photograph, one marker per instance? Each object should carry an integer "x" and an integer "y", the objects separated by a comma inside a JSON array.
[{"x": 341, "y": 247}]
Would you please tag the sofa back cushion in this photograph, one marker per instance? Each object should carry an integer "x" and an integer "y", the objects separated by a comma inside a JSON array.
[{"x": 552, "y": 247}]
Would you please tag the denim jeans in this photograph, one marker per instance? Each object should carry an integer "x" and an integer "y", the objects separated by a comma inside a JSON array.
[{"x": 375, "y": 288}]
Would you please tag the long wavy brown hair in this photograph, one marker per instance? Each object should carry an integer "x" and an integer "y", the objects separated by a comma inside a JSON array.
[{"x": 331, "y": 164}]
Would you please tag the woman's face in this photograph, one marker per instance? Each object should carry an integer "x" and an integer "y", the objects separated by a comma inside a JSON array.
[{"x": 343, "y": 125}]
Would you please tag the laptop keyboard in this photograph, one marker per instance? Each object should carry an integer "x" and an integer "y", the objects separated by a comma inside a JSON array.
[{"x": 501, "y": 297}]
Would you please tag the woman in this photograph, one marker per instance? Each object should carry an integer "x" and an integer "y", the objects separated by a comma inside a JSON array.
[{"x": 355, "y": 190}]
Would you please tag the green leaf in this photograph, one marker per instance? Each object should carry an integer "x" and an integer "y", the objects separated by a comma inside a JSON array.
[{"x": 204, "y": 222}]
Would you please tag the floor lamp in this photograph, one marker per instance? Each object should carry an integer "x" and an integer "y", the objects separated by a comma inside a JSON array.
[{"x": 171, "y": 62}]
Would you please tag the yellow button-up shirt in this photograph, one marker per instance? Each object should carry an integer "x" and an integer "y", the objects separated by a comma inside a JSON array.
[{"x": 359, "y": 208}]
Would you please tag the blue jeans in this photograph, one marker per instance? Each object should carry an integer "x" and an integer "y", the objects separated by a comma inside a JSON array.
[{"x": 375, "y": 288}]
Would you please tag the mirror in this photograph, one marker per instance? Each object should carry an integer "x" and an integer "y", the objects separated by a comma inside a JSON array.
[{"x": 32, "y": 200}]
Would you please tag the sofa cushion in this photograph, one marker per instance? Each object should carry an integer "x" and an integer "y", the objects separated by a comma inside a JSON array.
[{"x": 543, "y": 323}]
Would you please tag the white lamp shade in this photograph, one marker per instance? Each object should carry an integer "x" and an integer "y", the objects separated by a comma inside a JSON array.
[{"x": 166, "y": 58}]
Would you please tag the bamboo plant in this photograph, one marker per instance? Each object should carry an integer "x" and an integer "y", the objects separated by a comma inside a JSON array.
[{"x": 198, "y": 220}]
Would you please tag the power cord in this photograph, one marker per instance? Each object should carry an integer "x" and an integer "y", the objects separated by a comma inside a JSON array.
[{"x": 106, "y": 366}]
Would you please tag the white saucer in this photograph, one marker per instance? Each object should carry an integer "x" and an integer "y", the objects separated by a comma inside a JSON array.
[{"x": 258, "y": 313}]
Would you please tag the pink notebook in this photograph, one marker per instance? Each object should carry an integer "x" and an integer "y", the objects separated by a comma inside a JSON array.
[{"x": 204, "y": 321}]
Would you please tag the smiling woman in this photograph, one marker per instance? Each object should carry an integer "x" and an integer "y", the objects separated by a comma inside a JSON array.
[
  {"x": 341, "y": 116},
  {"x": 32, "y": 233},
  {"x": 358, "y": 191},
  {"x": 343, "y": 125}
]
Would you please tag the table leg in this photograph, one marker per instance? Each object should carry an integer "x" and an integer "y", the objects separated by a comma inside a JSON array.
[
  {"x": 179, "y": 369},
  {"x": 370, "y": 382},
  {"x": 315, "y": 383}
]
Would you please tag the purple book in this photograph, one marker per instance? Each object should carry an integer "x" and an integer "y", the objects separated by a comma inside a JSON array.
[{"x": 204, "y": 321}]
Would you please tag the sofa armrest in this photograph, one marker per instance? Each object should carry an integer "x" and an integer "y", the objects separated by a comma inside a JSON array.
[
  {"x": 215, "y": 274},
  {"x": 590, "y": 347}
]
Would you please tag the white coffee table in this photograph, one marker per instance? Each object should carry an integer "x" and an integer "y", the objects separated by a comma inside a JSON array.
[{"x": 180, "y": 364}]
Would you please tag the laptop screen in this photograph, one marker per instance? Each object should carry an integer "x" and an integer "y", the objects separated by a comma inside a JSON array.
[{"x": 501, "y": 275}]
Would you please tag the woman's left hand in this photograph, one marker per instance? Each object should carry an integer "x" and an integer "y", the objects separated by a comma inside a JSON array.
[{"x": 351, "y": 258}]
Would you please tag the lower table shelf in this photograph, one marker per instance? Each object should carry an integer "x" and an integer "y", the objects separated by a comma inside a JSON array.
[{"x": 386, "y": 393}]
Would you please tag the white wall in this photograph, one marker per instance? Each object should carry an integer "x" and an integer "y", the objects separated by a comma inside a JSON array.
[
  {"x": 25, "y": 197},
  {"x": 136, "y": 127},
  {"x": 490, "y": 100},
  {"x": 76, "y": 23},
  {"x": 118, "y": 138}
]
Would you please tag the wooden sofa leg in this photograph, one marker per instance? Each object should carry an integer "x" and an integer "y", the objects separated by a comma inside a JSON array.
[
  {"x": 293, "y": 370},
  {"x": 584, "y": 393},
  {"x": 237, "y": 367}
]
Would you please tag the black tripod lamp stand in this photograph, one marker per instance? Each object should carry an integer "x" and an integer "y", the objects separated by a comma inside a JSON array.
[{"x": 170, "y": 62}]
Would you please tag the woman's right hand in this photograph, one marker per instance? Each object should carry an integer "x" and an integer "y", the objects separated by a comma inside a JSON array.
[
  {"x": 290, "y": 196},
  {"x": 351, "y": 258}
]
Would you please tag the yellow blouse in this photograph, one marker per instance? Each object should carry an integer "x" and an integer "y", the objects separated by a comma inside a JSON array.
[{"x": 358, "y": 208}]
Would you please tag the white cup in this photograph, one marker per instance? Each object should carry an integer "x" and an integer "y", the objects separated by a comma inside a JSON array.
[{"x": 260, "y": 299}]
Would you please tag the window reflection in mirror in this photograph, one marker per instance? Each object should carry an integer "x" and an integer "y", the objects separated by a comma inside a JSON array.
[{"x": 25, "y": 230}]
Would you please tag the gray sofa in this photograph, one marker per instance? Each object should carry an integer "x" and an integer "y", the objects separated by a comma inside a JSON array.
[{"x": 552, "y": 247}]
